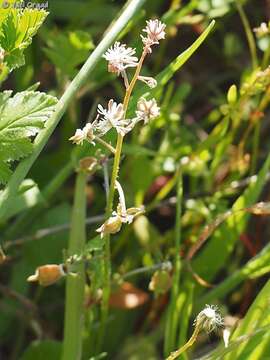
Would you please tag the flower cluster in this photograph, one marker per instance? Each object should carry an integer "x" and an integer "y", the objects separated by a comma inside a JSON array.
[
  {"x": 120, "y": 57},
  {"x": 155, "y": 31},
  {"x": 209, "y": 319}
]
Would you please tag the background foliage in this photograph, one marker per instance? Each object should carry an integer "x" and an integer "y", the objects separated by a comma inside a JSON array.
[{"x": 216, "y": 132}]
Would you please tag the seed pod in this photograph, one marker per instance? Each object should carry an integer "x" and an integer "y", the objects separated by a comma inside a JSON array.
[
  {"x": 160, "y": 282},
  {"x": 47, "y": 274},
  {"x": 111, "y": 226}
]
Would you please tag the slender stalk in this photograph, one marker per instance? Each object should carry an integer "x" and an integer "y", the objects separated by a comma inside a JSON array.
[
  {"x": 105, "y": 144},
  {"x": 74, "y": 311},
  {"x": 249, "y": 35},
  {"x": 109, "y": 208},
  {"x": 173, "y": 316},
  {"x": 266, "y": 57},
  {"x": 255, "y": 147},
  {"x": 145, "y": 269},
  {"x": 191, "y": 341},
  {"x": 107, "y": 250},
  {"x": 79, "y": 80}
]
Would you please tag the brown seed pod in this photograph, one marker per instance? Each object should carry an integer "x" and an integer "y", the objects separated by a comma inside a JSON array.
[{"x": 47, "y": 274}]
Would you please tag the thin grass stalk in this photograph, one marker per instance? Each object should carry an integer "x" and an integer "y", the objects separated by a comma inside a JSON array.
[
  {"x": 173, "y": 316},
  {"x": 74, "y": 310},
  {"x": 249, "y": 34}
]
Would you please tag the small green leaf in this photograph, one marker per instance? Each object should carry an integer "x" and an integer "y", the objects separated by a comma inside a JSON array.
[
  {"x": 17, "y": 28},
  {"x": 95, "y": 244},
  {"x": 22, "y": 116}
]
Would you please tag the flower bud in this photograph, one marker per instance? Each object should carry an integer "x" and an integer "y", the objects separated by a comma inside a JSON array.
[{"x": 47, "y": 274}]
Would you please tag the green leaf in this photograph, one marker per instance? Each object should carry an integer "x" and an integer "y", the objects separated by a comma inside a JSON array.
[
  {"x": 257, "y": 316},
  {"x": 207, "y": 264},
  {"x": 28, "y": 196},
  {"x": 258, "y": 266},
  {"x": 95, "y": 244},
  {"x": 43, "y": 350},
  {"x": 22, "y": 116},
  {"x": 72, "y": 45},
  {"x": 17, "y": 28}
]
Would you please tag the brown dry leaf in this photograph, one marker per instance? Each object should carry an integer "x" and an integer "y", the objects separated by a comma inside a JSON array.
[{"x": 127, "y": 296}]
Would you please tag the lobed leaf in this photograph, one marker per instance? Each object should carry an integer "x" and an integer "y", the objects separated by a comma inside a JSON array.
[{"x": 21, "y": 117}]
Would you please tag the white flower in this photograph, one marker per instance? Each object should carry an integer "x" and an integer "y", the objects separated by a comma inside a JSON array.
[
  {"x": 209, "y": 318},
  {"x": 113, "y": 117},
  {"x": 155, "y": 32},
  {"x": 86, "y": 133},
  {"x": 262, "y": 30},
  {"x": 120, "y": 57},
  {"x": 150, "y": 81},
  {"x": 115, "y": 112},
  {"x": 147, "y": 110}
]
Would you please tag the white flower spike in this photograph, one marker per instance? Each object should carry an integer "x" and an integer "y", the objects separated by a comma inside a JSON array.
[
  {"x": 120, "y": 57},
  {"x": 155, "y": 32},
  {"x": 209, "y": 319}
]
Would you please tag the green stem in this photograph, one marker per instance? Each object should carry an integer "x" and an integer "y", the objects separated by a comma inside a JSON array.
[
  {"x": 265, "y": 60},
  {"x": 191, "y": 341},
  {"x": 72, "y": 345},
  {"x": 107, "y": 250},
  {"x": 105, "y": 144},
  {"x": 79, "y": 80},
  {"x": 249, "y": 35},
  {"x": 109, "y": 208},
  {"x": 173, "y": 316},
  {"x": 255, "y": 147}
]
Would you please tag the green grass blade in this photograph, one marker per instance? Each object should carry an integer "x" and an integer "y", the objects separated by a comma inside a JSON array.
[{"x": 223, "y": 240}]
